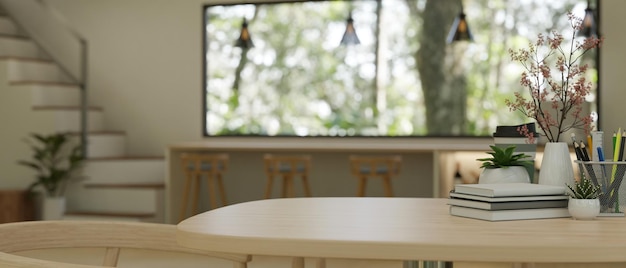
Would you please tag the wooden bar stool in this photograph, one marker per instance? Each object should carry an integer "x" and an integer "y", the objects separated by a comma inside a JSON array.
[
  {"x": 197, "y": 166},
  {"x": 365, "y": 167},
  {"x": 288, "y": 167}
]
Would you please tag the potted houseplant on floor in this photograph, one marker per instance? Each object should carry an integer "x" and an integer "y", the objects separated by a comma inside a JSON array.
[
  {"x": 56, "y": 161},
  {"x": 504, "y": 166},
  {"x": 584, "y": 203}
]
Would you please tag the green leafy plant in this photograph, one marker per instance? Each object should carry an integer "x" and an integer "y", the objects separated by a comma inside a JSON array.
[
  {"x": 584, "y": 189},
  {"x": 54, "y": 161},
  {"x": 504, "y": 157}
]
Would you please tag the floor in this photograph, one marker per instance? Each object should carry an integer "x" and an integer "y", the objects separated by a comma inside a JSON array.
[{"x": 142, "y": 258}]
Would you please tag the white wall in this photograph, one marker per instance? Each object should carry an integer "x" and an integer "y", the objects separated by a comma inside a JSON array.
[
  {"x": 612, "y": 61},
  {"x": 146, "y": 66}
]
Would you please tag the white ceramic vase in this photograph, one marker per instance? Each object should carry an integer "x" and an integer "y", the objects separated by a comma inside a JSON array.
[
  {"x": 556, "y": 165},
  {"x": 504, "y": 175},
  {"x": 584, "y": 209},
  {"x": 53, "y": 208}
]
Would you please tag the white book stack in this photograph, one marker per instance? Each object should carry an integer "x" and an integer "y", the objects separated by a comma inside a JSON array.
[{"x": 508, "y": 201}]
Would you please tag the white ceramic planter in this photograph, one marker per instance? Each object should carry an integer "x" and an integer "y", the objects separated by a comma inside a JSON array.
[
  {"x": 584, "y": 209},
  {"x": 53, "y": 208},
  {"x": 504, "y": 175},
  {"x": 556, "y": 165}
]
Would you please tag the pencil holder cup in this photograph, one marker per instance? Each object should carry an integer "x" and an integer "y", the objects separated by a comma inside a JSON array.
[{"x": 610, "y": 177}]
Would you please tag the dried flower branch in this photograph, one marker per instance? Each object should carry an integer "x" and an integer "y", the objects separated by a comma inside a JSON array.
[{"x": 555, "y": 95}]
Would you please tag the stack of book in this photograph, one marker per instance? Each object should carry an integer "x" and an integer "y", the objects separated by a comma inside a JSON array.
[{"x": 508, "y": 201}]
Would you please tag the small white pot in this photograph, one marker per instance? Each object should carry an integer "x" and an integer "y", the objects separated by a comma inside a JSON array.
[
  {"x": 504, "y": 175},
  {"x": 53, "y": 208},
  {"x": 584, "y": 209}
]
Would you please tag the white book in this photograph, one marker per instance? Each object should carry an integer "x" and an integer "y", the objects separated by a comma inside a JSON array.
[
  {"x": 508, "y": 215},
  {"x": 508, "y": 205},
  {"x": 509, "y": 189},
  {"x": 509, "y": 198}
]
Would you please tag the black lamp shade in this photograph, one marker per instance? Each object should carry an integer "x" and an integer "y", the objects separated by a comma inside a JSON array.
[
  {"x": 244, "y": 40},
  {"x": 588, "y": 25},
  {"x": 350, "y": 37},
  {"x": 460, "y": 30}
]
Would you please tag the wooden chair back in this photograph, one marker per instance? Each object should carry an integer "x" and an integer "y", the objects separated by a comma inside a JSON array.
[
  {"x": 287, "y": 167},
  {"x": 293, "y": 165},
  {"x": 375, "y": 165},
  {"x": 198, "y": 166},
  {"x": 112, "y": 236},
  {"x": 385, "y": 166}
]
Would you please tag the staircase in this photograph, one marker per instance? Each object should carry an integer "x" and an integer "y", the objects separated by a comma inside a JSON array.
[{"x": 117, "y": 186}]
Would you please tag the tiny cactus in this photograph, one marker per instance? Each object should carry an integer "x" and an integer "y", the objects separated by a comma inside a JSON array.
[{"x": 584, "y": 189}]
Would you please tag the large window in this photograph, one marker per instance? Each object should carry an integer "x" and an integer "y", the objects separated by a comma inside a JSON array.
[{"x": 403, "y": 79}]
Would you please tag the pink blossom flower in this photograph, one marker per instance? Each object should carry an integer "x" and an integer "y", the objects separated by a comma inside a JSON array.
[{"x": 555, "y": 95}]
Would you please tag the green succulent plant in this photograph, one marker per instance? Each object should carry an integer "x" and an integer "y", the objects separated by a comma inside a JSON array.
[
  {"x": 584, "y": 189},
  {"x": 504, "y": 157}
]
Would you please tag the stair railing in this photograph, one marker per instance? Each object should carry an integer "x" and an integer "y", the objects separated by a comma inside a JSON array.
[{"x": 61, "y": 42}]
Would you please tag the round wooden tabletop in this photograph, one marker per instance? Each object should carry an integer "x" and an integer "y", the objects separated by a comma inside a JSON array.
[{"x": 397, "y": 229}]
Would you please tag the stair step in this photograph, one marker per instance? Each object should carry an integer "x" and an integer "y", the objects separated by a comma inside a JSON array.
[
  {"x": 107, "y": 145},
  {"x": 44, "y": 95},
  {"x": 125, "y": 170},
  {"x": 104, "y": 144},
  {"x": 115, "y": 216},
  {"x": 19, "y": 47},
  {"x": 28, "y": 69},
  {"x": 126, "y": 157},
  {"x": 26, "y": 59},
  {"x": 156, "y": 186},
  {"x": 44, "y": 83},
  {"x": 65, "y": 108},
  {"x": 67, "y": 118},
  {"x": 113, "y": 200}
]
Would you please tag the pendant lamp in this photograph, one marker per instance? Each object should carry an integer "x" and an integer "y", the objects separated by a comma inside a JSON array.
[
  {"x": 350, "y": 37},
  {"x": 244, "y": 40},
  {"x": 589, "y": 23},
  {"x": 460, "y": 30}
]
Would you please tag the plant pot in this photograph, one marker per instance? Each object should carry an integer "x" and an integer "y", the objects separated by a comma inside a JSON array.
[
  {"x": 53, "y": 208},
  {"x": 584, "y": 209},
  {"x": 504, "y": 175},
  {"x": 510, "y": 135},
  {"x": 556, "y": 165}
]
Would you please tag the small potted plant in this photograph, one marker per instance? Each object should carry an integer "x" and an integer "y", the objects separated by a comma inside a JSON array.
[
  {"x": 55, "y": 162},
  {"x": 505, "y": 166},
  {"x": 584, "y": 203}
]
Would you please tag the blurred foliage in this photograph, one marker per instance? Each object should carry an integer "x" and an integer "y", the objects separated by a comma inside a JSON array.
[{"x": 298, "y": 80}]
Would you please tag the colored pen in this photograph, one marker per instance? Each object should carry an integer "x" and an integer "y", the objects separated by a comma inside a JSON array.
[
  {"x": 617, "y": 143},
  {"x": 603, "y": 169},
  {"x": 579, "y": 153},
  {"x": 583, "y": 149},
  {"x": 613, "y": 140},
  {"x": 621, "y": 148},
  {"x": 600, "y": 154},
  {"x": 590, "y": 146}
]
